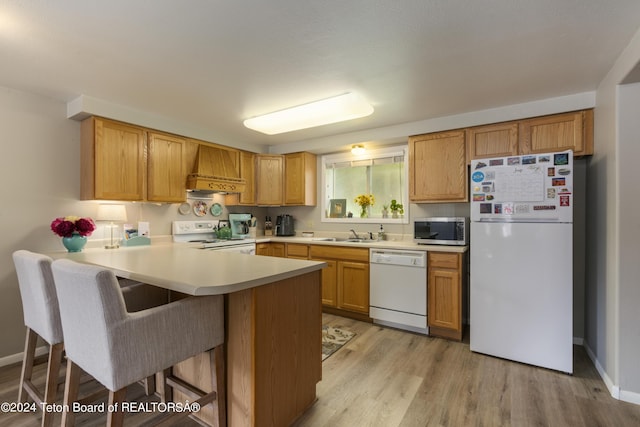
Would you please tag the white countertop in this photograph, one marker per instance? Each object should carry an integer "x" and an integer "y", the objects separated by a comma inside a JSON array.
[
  {"x": 378, "y": 244},
  {"x": 186, "y": 269}
]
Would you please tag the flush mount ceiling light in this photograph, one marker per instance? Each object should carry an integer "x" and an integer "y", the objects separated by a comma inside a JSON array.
[
  {"x": 357, "y": 149},
  {"x": 331, "y": 110}
]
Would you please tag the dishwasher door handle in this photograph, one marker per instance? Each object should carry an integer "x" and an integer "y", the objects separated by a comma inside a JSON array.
[{"x": 401, "y": 259}]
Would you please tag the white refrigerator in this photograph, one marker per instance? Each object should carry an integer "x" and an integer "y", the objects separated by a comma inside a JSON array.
[{"x": 521, "y": 286}]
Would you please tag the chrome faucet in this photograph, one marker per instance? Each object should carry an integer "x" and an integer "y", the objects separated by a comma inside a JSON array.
[{"x": 355, "y": 235}]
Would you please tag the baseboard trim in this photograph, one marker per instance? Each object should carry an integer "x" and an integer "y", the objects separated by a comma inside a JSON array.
[
  {"x": 616, "y": 392},
  {"x": 17, "y": 358}
]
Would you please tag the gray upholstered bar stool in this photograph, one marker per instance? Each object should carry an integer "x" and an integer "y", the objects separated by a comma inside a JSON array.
[
  {"x": 41, "y": 317},
  {"x": 119, "y": 348}
]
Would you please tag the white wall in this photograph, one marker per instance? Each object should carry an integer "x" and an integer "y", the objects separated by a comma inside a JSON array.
[
  {"x": 629, "y": 229},
  {"x": 611, "y": 293},
  {"x": 40, "y": 173}
]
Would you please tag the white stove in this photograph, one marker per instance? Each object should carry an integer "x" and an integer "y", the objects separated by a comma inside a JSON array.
[{"x": 203, "y": 235}]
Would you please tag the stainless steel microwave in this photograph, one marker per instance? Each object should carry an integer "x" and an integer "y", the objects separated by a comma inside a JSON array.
[{"x": 441, "y": 231}]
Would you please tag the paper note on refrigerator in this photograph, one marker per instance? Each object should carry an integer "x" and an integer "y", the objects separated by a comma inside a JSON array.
[{"x": 523, "y": 183}]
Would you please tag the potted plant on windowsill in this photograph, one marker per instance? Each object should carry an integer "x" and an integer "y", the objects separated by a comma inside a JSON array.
[{"x": 396, "y": 209}]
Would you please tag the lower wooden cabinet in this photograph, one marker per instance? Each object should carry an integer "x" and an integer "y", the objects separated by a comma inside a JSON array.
[
  {"x": 353, "y": 286},
  {"x": 444, "y": 294},
  {"x": 329, "y": 279},
  {"x": 271, "y": 249},
  {"x": 297, "y": 250},
  {"x": 345, "y": 281}
]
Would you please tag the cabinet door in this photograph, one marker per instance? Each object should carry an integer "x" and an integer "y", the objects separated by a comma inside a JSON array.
[
  {"x": 248, "y": 172},
  {"x": 269, "y": 173},
  {"x": 500, "y": 140},
  {"x": 278, "y": 249},
  {"x": 444, "y": 299},
  {"x": 297, "y": 250},
  {"x": 118, "y": 163},
  {"x": 166, "y": 178},
  {"x": 557, "y": 133},
  {"x": 329, "y": 282},
  {"x": 263, "y": 249},
  {"x": 438, "y": 167},
  {"x": 300, "y": 179},
  {"x": 353, "y": 286}
]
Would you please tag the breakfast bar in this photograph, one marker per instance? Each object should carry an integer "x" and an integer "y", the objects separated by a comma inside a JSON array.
[{"x": 273, "y": 323}]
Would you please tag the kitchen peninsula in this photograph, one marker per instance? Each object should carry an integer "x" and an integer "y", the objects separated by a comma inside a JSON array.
[{"x": 273, "y": 322}]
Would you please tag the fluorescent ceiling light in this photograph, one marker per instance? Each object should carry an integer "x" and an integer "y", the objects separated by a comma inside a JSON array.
[
  {"x": 357, "y": 149},
  {"x": 331, "y": 110}
]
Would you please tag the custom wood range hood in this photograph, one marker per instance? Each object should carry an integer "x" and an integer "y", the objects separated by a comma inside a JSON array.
[{"x": 215, "y": 171}]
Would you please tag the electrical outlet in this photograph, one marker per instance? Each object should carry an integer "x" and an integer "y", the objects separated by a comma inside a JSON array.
[{"x": 310, "y": 224}]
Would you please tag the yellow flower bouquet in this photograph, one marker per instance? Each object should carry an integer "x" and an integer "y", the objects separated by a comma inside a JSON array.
[{"x": 364, "y": 201}]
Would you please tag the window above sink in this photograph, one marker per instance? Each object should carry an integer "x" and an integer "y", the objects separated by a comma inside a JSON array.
[{"x": 381, "y": 173}]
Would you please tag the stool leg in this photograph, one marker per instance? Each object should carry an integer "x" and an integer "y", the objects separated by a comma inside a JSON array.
[
  {"x": 150, "y": 385},
  {"x": 167, "y": 391},
  {"x": 53, "y": 370},
  {"x": 217, "y": 368},
  {"x": 27, "y": 363},
  {"x": 71, "y": 385},
  {"x": 116, "y": 418}
]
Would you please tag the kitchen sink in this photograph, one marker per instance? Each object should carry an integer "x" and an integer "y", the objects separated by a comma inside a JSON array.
[{"x": 340, "y": 239}]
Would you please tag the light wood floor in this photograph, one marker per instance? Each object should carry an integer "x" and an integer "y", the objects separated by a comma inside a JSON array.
[{"x": 385, "y": 378}]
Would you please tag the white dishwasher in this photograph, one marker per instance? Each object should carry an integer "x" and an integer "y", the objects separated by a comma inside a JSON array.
[{"x": 398, "y": 289}]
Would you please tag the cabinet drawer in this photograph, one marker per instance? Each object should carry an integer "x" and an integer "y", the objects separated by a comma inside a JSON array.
[
  {"x": 339, "y": 252},
  {"x": 297, "y": 250},
  {"x": 444, "y": 260}
]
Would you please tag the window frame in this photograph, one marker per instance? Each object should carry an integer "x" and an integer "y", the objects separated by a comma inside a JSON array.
[{"x": 397, "y": 150}]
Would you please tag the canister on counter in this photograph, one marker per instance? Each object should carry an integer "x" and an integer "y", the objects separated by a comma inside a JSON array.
[{"x": 268, "y": 227}]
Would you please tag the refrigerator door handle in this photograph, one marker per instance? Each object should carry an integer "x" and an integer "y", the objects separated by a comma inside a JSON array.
[{"x": 515, "y": 220}]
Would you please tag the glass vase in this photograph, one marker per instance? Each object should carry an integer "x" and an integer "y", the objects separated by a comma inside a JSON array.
[
  {"x": 75, "y": 243},
  {"x": 363, "y": 212}
]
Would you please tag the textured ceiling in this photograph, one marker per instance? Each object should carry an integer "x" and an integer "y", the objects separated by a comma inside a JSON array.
[{"x": 211, "y": 64}]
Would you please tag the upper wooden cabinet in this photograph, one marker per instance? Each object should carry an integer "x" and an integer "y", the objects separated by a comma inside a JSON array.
[
  {"x": 499, "y": 140},
  {"x": 113, "y": 161},
  {"x": 438, "y": 168},
  {"x": 300, "y": 178},
  {"x": 269, "y": 179},
  {"x": 129, "y": 163},
  {"x": 558, "y": 132},
  {"x": 248, "y": 173},
  {"x": 165, "y": 168}
]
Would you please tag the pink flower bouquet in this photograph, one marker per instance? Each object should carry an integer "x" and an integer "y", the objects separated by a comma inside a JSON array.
[{"x": 69, "y": 225}]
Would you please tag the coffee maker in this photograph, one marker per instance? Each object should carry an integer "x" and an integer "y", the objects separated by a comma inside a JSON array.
[
  {"x": 239, "y": 223},
  {"x": 284, "y": 225}
]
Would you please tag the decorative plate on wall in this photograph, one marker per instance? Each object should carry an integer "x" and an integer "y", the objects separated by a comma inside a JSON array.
[
  {"x": 184, "y": 208},
  {"x": 216, "y": 209},
  {"x": 200, "y": 208}
]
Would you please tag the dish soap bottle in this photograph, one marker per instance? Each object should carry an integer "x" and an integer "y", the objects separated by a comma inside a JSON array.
[{"x": 381, "y": 235}]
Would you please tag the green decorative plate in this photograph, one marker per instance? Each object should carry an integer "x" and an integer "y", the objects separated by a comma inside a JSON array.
[{"x": 216, "y": 209}]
